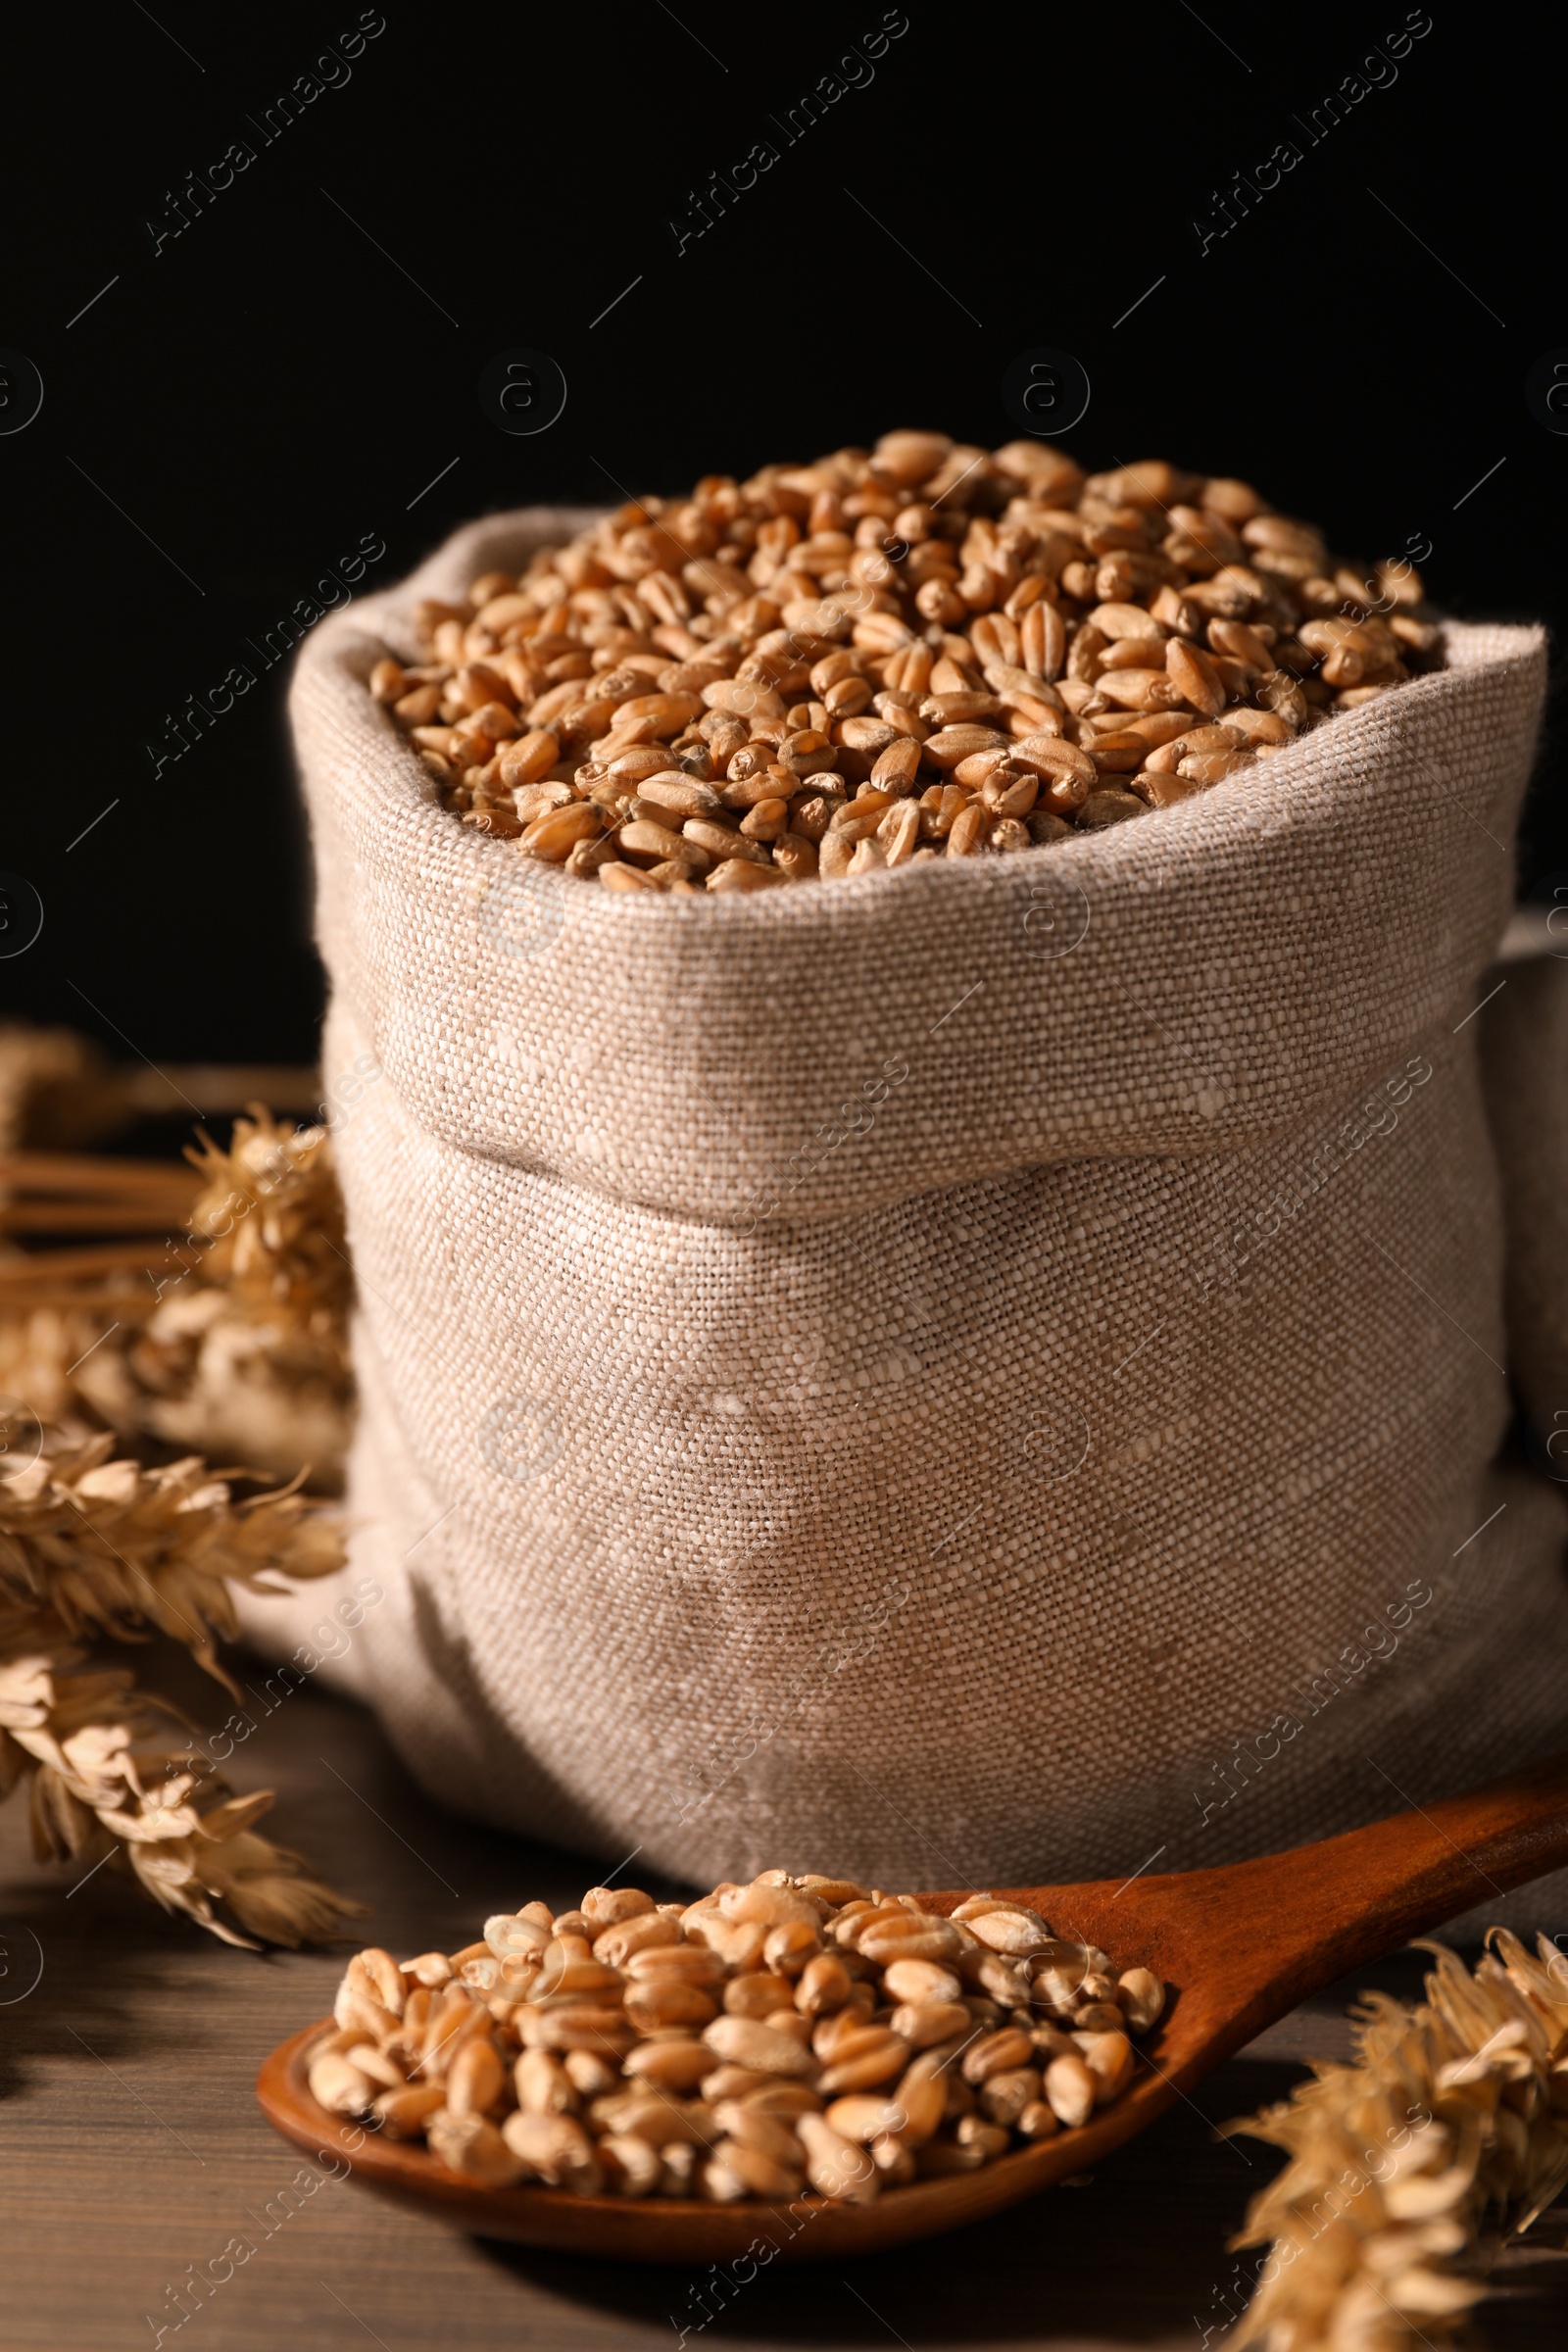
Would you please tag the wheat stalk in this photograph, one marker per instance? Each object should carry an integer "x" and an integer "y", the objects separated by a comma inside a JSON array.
[
  {"x": 1410, "y": 2168},
  {"x": 94, "y": 1545},
  {"x": 248, "y": 1345},
  {"x": 58, "y": 1089},
  {"x": 241, "y": 1349},
  {"x": 272, "y": 1216}
]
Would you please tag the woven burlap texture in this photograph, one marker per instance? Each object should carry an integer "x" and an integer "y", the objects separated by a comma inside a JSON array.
[
  {"x": 968, "y": 1376},
  {"x": 1524, "y": 1065}
]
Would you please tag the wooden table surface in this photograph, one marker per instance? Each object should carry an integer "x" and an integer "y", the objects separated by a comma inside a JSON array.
[{"x": 132, "y": 2147}]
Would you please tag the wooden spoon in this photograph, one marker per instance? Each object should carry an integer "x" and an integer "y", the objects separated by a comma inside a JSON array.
[{"x": 1236, "y": 1948}]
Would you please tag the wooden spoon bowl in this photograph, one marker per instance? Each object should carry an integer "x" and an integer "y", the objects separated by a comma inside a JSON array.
[{"x": 1236, "y": 1948}]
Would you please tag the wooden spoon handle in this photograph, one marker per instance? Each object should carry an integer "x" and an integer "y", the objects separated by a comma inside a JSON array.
[
  {"x": 1373, "y": 1887},
  {"x": 1276, "y": 1929}
]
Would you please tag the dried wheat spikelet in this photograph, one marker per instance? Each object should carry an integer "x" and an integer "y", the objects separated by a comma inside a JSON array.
[
  {"x": 107, "y": 1544},
  {"x": 274, "y": 1216},
  {"x": 1411, "y": 2167},
  {"x": 41, "y": 1361},
  {"x": 247, "y": 1342},
  {"x": 249, "y": 1356},
  {"x": 106, "y": 1784},
  {"x": 89, "y": 1545},
  {"x": 240, "y": 1349}
]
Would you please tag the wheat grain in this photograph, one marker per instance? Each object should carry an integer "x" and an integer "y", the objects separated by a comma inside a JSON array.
[
  {"x": 873, "y": 624},
  {"x": 799, "y": 2029}
]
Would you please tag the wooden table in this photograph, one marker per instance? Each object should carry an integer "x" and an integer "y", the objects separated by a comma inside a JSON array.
[{"x": 132, "y": 2148}]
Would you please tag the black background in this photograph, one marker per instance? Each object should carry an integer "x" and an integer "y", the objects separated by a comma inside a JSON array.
[{"x": 279, "y": 379}]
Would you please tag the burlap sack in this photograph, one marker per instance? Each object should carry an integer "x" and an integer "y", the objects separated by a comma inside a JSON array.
[
  {"x": 1525, "y": 1068},
  {"x": 985, "y": 1375}
]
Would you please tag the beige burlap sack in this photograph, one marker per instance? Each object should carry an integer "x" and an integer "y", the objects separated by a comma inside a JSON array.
[
  {"x": 1525, "y": 1068},
  {"x": 983, "y": 1375}
]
